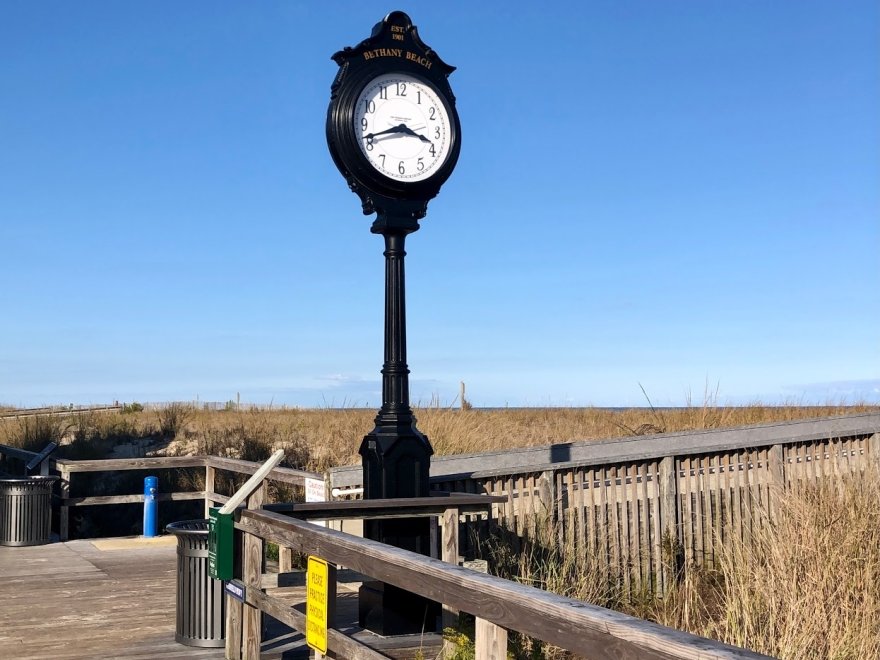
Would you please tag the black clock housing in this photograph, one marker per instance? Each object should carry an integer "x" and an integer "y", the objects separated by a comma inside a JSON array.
[{"x": 393, "y": 47}]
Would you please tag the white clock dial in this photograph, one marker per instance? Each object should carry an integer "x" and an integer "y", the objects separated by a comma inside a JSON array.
[{"x": 403, "y": 127}]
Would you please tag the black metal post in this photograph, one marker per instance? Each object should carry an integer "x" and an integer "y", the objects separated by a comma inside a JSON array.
[{"x": 395, "y": 455}]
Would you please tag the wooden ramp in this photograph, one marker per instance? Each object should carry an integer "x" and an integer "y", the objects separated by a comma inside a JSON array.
[{"x": 111, "y": 598}]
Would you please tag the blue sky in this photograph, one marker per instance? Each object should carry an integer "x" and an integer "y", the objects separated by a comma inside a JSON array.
[{"x": 659, "y": 195}]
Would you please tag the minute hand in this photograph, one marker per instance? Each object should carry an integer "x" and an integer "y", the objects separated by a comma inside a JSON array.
[{"x": 400, "y": 128}]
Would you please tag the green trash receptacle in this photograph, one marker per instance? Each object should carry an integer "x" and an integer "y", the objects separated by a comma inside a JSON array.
[
  {"x": 26, "y": 510},
  {"x": 201, "y": 605}
]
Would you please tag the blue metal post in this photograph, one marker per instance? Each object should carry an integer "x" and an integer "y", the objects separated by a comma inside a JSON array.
[{"x": 151, "y": 506}]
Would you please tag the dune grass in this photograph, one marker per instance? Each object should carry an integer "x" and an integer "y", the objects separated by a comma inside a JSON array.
[
  {"x": 806, "y": 588},
  {"x": 317, "y": 439}
]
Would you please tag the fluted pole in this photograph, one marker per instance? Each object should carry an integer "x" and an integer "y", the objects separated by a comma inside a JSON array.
[{"x": 395, "y": 409}]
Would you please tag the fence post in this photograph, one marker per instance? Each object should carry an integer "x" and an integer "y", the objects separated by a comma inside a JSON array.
[
  {"x": 233, "y": 628},
  {"x": 285, "y": 559},
  {"x": 776, "y": 469},
  {"x": 490, "y": 641},
  {"x": 252, "y": 570},
  {"x": 210, "y": 475},
  {"x": 64, "y": 510},
  {"x": 874, "y": 452},
  {"x": 547, "y": 496},
  {"x": 669, "y": 524},
  {"x": 449, "y": 554}
]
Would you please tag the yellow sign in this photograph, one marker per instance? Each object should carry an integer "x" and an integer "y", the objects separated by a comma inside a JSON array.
[{"x": 320, "y": 598}]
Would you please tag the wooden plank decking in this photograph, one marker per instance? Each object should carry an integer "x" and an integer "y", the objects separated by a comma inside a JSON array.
[{"x": 114, "y": 598}]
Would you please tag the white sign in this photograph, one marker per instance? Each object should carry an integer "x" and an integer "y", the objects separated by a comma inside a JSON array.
[{"x": 316, "y": 492}]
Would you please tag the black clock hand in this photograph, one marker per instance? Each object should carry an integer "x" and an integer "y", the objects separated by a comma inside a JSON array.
[
  {"x": 400, "y": 128},
  {"x": 409, "y": 131}
]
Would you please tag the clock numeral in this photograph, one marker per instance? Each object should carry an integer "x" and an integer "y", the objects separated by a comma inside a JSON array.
[
  {"x": 436, "y": 132},
  {"x": 420, "y": 165},
  {"x": 369, "y": 143},
  {"x": 383, "y": 92},
  {"x": 431, "y": 114},
  {"x": 370, "y": 107},
  {"x": 401, "y": 168},
  {"x": 382, "y": 156},
  {"x": 418, "y": 97},
  {"x": 401, "y": 89},
  {"x": 432, "y": 151},
  {"x": 363, "y": 124}
]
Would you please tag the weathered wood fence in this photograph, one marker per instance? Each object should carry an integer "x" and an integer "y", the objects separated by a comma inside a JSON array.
[
  {"x": 642, "y": 506},
  {"x": 213, "y": 466},
  {"x": 216, "y": 470},
  {"x": 498, "y": 605},
  {"x": 16, "y": 413}
]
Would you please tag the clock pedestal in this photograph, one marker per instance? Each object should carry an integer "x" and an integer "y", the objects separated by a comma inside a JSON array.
[{"x": 395, "y": 455}]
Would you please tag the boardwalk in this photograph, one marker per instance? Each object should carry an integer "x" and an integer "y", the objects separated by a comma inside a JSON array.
[
  {"x": 115, "y": 598},
  {"x": 111, "y": 598}
]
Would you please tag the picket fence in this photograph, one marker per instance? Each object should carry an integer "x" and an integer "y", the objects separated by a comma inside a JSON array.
[{"x": 645, "y": 507}]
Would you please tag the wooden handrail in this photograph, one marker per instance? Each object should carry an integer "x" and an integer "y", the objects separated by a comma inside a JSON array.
[
  {"x": 19, "y": 454},
  {"x": 67, "y": 467},
  {"x": 403, "y": 507},
  {"x": 125, "y": 464},
  {"x": 52, "y": 411},
  {"x": 571, "y": 624},
  {"x": 280, "y": 474},
  {"x": 98, "y": 500},
  {"x": 587, "y": 453}
]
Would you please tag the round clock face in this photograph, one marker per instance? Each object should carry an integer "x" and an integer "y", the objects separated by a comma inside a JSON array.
[{"x": 403, "y": 127}]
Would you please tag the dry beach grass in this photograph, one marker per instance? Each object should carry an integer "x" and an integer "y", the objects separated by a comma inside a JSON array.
[{"x": 319, "y": 438}]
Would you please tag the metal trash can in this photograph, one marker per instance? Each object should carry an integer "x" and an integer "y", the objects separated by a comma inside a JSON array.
[
  {"x": 201, "y": 607},
  {"x": 25, "y": 510}
]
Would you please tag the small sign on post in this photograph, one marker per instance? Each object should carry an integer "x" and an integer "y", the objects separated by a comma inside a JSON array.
[
  {"x": 316, "y": 491},
  {"x": 320, "y": 602},
  {"x": 220, "y": 523},
  {"x": 220, "y": 536},
  {"x": 236, "y": 589}
]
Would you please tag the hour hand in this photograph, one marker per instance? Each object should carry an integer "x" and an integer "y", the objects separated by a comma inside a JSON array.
[
  {"x": 400, "y": 128},
  {"x": 409, "y": 131}
]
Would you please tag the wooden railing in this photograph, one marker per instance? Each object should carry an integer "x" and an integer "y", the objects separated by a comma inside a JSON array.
[
  {"x": 16, "y": 413},
  {"x": 13, "y": 459},
  {"x": 211, "y": 464},
  {"x": 643, "y": 505},
  {"x": 499, "y": 605}
]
